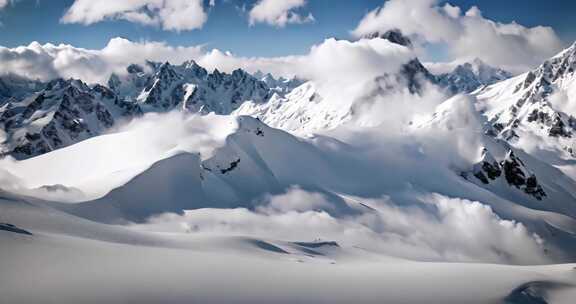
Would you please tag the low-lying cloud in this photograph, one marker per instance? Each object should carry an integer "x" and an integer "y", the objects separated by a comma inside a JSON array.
[{"x": 438, "y": 228}]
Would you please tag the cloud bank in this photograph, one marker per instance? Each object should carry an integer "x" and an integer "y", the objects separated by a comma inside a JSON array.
[
  {"x": 467, "y": 34},
  {"x": 173, "y": 15},
  {"x": 334, "y": 60},
  {"x": 438, "y": 228},
  {"x": 278, "y": 12}
]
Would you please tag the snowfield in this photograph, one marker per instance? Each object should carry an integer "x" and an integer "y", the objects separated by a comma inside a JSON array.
[{"x": 70, "y": 260}]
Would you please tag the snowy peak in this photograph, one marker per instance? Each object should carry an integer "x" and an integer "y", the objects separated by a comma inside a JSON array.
[
  {"x": 188, "y": 86},
  {"x": 538, "y": 105},
  {"x": 559, "y": 68},
  {"x": 394, "y": 36},
  {"x": 65, "y": 112},
  {"x": 470, "y": 76},
  {"x": 415, "y": 76}
]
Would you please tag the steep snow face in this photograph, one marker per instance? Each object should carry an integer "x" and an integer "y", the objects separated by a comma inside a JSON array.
[
  {"x": 169, "y": 185},
  {"x": 314, "y": 106},
  {"x": 302, "y": 110},
  {"x": 163, "y": 87},
  {"x": 469, "y": 76},
  {"x": 534, "y": 111},
  {"x": 495, "y": 165},
  {"x": 65, "y": 112},
  {"x": 96, "y": 166}
]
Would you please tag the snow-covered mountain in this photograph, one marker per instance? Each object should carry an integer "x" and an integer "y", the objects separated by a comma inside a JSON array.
[
  {"x": 311, "y": 107},
  {"x": 164, "y": 87},
  {"x": 469, "y": 76},
  {"x": 38, "y": 117},
  {"x": 63, "y": 113},
  {"x": 534, "y": 111},
  {"x": 463, "y": 78}
]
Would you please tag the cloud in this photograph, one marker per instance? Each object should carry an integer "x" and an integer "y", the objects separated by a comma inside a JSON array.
[
  {"x": 296, "y": 199},
  {"x": 436, "y": 228},
  {"x": 173, "y": 15},
  {"x": 50, "y": 61},
  {"x": 332, "y": 60},
  {"x": 278, "y": 12},
  {"x": 3, "y": 3},
  {"x": 467, "y": 34}
]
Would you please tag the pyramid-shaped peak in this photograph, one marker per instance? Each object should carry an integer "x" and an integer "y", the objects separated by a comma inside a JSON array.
[{"x": 393, "y": 35}]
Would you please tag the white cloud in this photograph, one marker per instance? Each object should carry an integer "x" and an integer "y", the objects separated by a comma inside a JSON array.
[
  {"x": 177, "y": 15},
  {"x": 335, "y": 61},
  {"x": 50, "y": 61},
  {"x": 3, "y": 3},
  {"x": 468, "y": 35},
  {"x": 436, "y": 228},
  {"x": 278, "y": 12},
  {"x": 296, "y": 199}
]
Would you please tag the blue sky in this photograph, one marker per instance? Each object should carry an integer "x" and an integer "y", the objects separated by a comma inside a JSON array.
[{"x": 227, "y": 27}]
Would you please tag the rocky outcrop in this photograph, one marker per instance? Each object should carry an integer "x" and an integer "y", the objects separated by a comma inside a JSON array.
[
  {"x": 517, "y": 175},
  {"x": 65, "y": 112},
  {"x": 512, "y": 169},
  {"x": 488, "y": 169}
]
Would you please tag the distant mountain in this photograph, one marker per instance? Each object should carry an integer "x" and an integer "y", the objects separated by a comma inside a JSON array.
[
  {"x": 163, "y": 87},
  {"x": 469, "y": 76},
  {"x": 38, "y": 117},
  {"x": 16, "y": 87},
  {"x": 279, "y": 85}
]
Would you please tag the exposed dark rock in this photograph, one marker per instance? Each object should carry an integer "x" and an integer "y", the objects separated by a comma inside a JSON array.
[
  {"x": 487, "y": 169},
  {"x": 232, "y": 166},
  {"x": 517, "y": 175},
  {"x": 11, "y": 228},
  {"x": 394, "y": 36}
]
